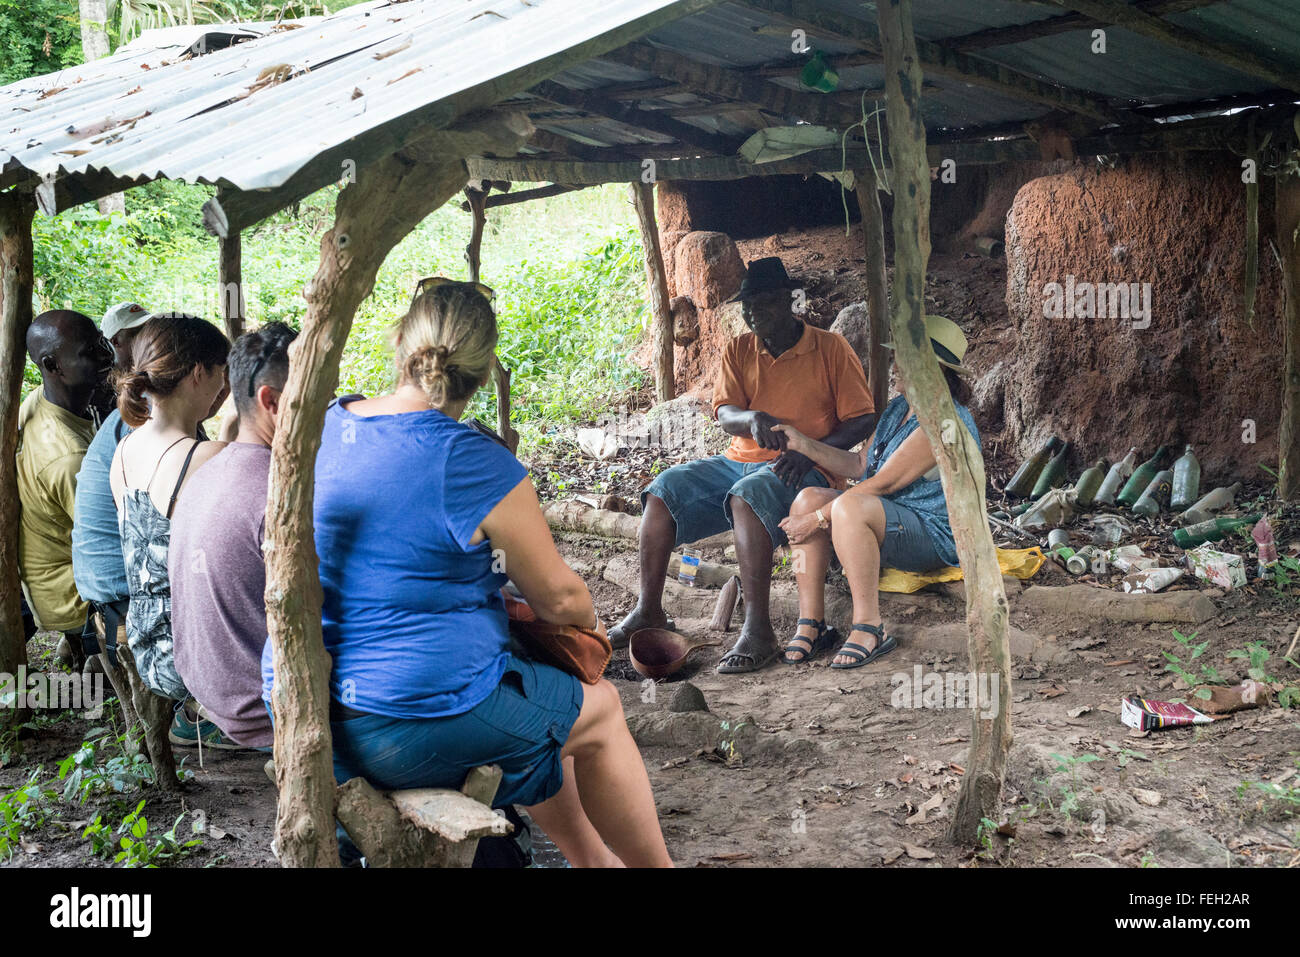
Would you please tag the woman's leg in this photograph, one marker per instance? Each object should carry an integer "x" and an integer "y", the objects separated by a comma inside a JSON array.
[
  {"x": 811, "y": 560},
  {"x": 612, "y": 782},
  {"x": 857, "y": 531},
  {"x": 567, "y": 824}
]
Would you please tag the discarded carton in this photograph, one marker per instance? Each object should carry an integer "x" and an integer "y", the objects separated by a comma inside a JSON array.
[
  {"x": 1130, "y": 558},
  {"x": 1148, "y": 581},
  {"x": 1109, "y": 529},
  {"x": 1147, "y": 715},
  {"x": 1055, "y": 508},
  {"x": 1220, "y": 568}
]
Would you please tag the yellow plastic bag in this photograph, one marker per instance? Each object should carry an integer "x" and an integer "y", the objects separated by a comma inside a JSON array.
[{"x": 1020, "y": 563}]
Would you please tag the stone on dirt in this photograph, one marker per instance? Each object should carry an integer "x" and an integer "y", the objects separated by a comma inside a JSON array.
[{"x": 687, "y": 698}]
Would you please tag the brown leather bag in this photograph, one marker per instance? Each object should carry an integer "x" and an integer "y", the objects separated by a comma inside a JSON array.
[{"x": 582, "y": 652}]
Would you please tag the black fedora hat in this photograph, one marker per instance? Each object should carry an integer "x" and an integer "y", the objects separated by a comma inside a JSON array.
[{"x": 763, "y": 275}]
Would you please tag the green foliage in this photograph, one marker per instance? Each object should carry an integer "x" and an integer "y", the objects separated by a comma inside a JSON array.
[
  {"x": 131, "y": 838},
  {"x": 1180, "y": 667},
  {"x": 23, "y": 809},
  {"x": 1070, "y": 791},
  {"x": 37, "y": 37},
  {"x": 103, "y": 764},
  {"x": 1257, "y": 656},
  {"x": 1284, "y": 576}
]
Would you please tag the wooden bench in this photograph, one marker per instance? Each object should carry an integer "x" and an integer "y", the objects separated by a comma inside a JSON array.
[{"x": 423, "y": 827}]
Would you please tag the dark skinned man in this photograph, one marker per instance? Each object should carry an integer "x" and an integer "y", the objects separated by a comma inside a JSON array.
[
  {"x": 56, "y": 423},
  {"x": 782, "y": 371}
]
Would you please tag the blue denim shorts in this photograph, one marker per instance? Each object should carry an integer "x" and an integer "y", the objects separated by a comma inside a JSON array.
[
  {"x": 907, "y": 546},
  {"x": 521, "y": 727},
  {"x": 698, "y": 494}
]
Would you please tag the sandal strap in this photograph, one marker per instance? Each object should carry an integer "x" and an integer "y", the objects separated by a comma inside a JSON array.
[
  {"x": 877, "y": 630},
  {"x": 853, "y": 650},
  {"x": 819, "y": 625}
]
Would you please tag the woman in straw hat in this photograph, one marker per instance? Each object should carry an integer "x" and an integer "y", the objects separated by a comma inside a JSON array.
[{"x": 896, "y": 516}]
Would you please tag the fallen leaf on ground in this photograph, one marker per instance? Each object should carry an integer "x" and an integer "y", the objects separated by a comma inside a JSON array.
[
  {"x": 1075, "y": 712},
  {"x": 918, "y": 853},
  {"x": 731, "y": 856},
  {"x": 891, "y": 855},
  {"x": 930, "y": 805},
  {"x": 1148, "y": 797}
]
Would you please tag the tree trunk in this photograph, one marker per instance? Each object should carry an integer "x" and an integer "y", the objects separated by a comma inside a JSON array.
[
  {"x": 500, "y": 374},
  {"x": 643, "y": 198},
  {"x": 94, "y": 46},
  {"x": 1287, "y": 205},
  {"x": 960, "y": 465},
  {"x": 873, "y": 232},
  {"x": 230, "y": 284},
  {"x": 16, "y": 211},
  {"x": 389, "y": 199}
]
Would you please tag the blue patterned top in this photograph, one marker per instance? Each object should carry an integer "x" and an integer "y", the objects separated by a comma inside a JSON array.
[{"x": 924, "y": 496}]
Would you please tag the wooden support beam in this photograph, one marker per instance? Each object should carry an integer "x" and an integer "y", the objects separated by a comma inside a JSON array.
[
  {"x": 1234, "y": 56},
  {"x": 1020, "y": 32},
  {"x": 16, "y": 282},
  {"x": 960, "y": 463},
  {"x": 643, "y": 198},
  {"x": 230, "y": 283},
  {"x": 387, "y": 201},
  {"x": 654, "y": 122},
  {"x": 523, "y": 196},
  {"x": 942, "y": 61},
  {"x": 734, "y": 85},
  {"x": 873, "y": 234},
  {"x": 1287, "y": 224}
]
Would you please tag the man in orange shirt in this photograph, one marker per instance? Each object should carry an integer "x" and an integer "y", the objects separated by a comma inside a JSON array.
[{"x": 782, "y": 371}]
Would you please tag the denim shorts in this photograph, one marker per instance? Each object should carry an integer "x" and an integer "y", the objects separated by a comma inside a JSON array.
[
  {"x": 698, "y": 494},
  {"x": 521, "y": 727},
  {"x": 907, "y": 546}
]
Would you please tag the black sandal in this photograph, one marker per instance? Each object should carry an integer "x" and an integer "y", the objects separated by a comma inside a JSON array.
[
  {"x": 826, "y": 638},
  {"x": 884, "y": 645}
]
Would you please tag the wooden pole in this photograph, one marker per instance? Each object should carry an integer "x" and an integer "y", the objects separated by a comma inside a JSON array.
[
  {"x": 389, "y": 198},
  {"x": 477, "y": 199},
  {"x": 873, "y": 232},
  {"x": 16, "y": 275},
  {"x": 960, "y": 466},
  {"x": 230, "y": 282},
  {"x": 1287, "y": 216},
  {"x": 643, "y": 198}
]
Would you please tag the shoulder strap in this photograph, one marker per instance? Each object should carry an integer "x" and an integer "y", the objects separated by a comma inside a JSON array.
[
  {"x": 157, "y": 465},
  {"x": 171, "y": 504}
]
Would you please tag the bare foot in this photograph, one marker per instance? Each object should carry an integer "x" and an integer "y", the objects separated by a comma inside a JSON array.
[
  {"x": 755, "y": 649},
  {"x": 636, "y": 619}
]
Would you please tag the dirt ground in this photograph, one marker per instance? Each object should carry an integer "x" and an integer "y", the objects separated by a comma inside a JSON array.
[{"x": 804, "y": 765}]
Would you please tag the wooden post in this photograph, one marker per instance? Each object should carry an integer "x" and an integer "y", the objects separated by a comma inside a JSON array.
[
  {"x": 477, "y": 199},
  {"x": 1287, "y": 205},
  {"x": 388, "y": 199},
  {"x": 230, "y": 284},
  {"x": 960, "y": 465},
  {"x": 643, "y": 198},
  {"x": 16, "y": 212},
  {"x": 873, "y": 232}
]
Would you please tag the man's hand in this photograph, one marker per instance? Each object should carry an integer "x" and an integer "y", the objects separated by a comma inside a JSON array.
[
  {"x": 791, "y": 466},
  {"x": 760, "y": 429}
]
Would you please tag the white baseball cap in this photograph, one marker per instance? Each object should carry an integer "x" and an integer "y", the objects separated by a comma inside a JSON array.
[{"x": 125, "y": 315}]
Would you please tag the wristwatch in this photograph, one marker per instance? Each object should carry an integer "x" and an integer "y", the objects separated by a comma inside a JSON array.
[{"x": 822, "y": 523}]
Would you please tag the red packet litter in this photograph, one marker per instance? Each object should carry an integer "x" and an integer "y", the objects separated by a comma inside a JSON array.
[{"x": 1147, "y": 715}]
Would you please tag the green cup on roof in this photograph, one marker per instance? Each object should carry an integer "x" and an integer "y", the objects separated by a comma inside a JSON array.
[{"x": 818, "y": 75}]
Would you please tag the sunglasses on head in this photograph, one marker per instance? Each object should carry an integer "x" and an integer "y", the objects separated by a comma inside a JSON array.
[{"x": 433, "y": 282}]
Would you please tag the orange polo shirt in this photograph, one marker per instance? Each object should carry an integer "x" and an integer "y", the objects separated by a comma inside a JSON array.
[{"x": 814, "y": 385}]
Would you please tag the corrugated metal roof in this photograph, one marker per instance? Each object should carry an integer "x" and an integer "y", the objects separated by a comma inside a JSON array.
[
  {"x": 205, "y": 119},
  {"x": 150, "y": 112}
]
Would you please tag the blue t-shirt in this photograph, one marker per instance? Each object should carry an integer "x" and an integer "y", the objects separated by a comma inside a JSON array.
[
  {"x": 412, "y": 617},
  {"x": 97, "y": 566},
  {"x": 924, "y": 496}
]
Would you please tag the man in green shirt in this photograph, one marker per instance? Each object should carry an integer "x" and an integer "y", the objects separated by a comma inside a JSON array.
[{"x": 55, "y": 425}]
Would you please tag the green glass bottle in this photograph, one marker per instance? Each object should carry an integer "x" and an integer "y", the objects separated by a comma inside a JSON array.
[
  {"x": 1141, "y": 478},
  {"x": 1155, "y": 495},
  {"x": 1187, "y": 481},
  {"x": 1089, "y": 483},
  {"x": 1115, "y": 478},
  {"x": 1053, "y": 473},
  {"x": 1022, "y": 483},
  {"x": 1211, "y": 531}
]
